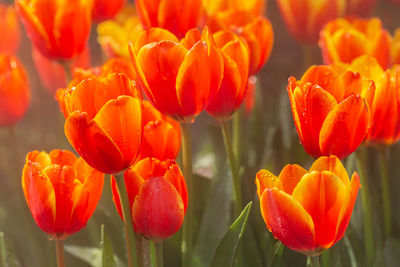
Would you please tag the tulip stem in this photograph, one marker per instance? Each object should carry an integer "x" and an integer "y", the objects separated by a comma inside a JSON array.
[
  {"x": 127, "y": 215},
  {"x": 158, "y": 251},
  {"x": 143, "y": 251},
  {"x": 314, "y": 261},
  {"x": 60, "y": 253},
  {"x": 366, "y": 206},
  {"x": 237, "y": 133},
  {"x": 234, "y": 167},
  {"x": 387, "y": 214},
  {"x": 187, "y": 235}
]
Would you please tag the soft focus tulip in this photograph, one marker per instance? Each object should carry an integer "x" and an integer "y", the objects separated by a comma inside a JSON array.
[
  {"x": 331, "y": 111},
  {"x": 343, "y": 40},
  {"x": 179, "y": 78},
  {"x": 249, "y": 98},
  {"x": 173, "y": 15},
  {"x": 161, "y": 135},
  {"x": 308, "y": 211},
  {"x": 253, "y": 7},
  {"x": 236, "y": 73},
  {"x": 157, "y": 195},
  {"x": 395, "y": 50},
  {"x": 106, "y": 9},
  {"x": 9, "y": 27},
  {"x": 52, "y": 73},
  {"x": 115, "y": 35},
  {"x": 359, "y": 7},
  {"x": 61, "y": 191},
  {"x": 59, "y": 29},
  {"x": 305, "y": 18},
  {"x": 385, "y": 108},
  {"x": 14, "y": 90},
  {"x": 104, "y": 121}
]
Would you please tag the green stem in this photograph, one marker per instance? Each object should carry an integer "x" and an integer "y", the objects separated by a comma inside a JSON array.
[
  {"x": 314, "y": 261},
  {"x": 387, "y": 214},
  {"x": 237, "y": 133},
  {"x": 187, "y": 235},
  {"x": 143, "y": 251},
  {"x": 60, "y": 253},
  {"x": 366, "y": 206},
  {"x": 159, "y": 254},
  {"x": 127, "y": 215},
  {"x": 234, "y": 167}
]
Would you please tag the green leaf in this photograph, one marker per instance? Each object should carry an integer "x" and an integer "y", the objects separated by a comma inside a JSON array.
[
  {"x": 227, "y": 248},
  {"x": 108, "y": 254}
]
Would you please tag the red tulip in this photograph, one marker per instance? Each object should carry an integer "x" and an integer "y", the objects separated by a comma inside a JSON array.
[
  {"x": 106, "y": 9},
  {"x": 9, "y": 26},
  {"x": 61, "y": 191}
]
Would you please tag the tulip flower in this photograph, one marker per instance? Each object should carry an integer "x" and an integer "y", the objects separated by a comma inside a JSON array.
[
  {"x": 105, "y": 9},
  {"x": 10, "y": 29},
  {"x": 305, "y": 19},
  {"x": 213, "y": 7},
  {"x": 59, "y": 29},
  {"x": 236, "y": 72},
  {"x": 343, "y": 40},
  {"x": 395, "y": 50},
  {"x": 61, "y": 191},
  {"x": 179, "y": 78},
  {"x": 173, "y": 15},
  {"x": 161, "y": 135},
  {"x": 359, "y": 7},
  {"x": 115, "y": 35},
  {"x": 52, "y": 73},
  {"x": 104, "y": 121},
  {"x": 14, "y": 90},
  {"x": 155, "y": 215},
  {"x": 308, "y": 211},
  {"x": 330, "y": 111}
]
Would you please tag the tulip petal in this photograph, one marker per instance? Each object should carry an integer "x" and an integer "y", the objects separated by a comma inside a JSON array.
[
  {"x": 290, "y": 177},
  {"x": 175, "y": 177},
  {"x": 153, "y": 35},
  {"x": 323, "y": 205},
  {"x": 265, "y": 180},
  {"x": 332, "y": 164},
  {"x": 349, "y": 44},
  {"x": 287, "y": 220}
]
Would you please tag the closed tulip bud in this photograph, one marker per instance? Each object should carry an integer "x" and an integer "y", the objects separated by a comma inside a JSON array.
[
  {"x": 106, "y": 9},
  {"x": 61, "y": 191},
  {"x": 59, "y": 29},
  {"x": 331, "y": 111},
  {"x": 104, "y": 120},
  {"x": 14, "y": 90},
  {"x": 344, "y": 39},
  {"x": 308, "y": 211},
  {"x": 9, "y": 26},
  {"x": 179, "y": 78},
  {"x": 157, "y": 195}
]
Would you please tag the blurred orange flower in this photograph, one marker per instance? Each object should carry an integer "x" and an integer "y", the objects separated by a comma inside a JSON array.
[
  {"x": 359, "y": 7},
  {"x": 161, "y": 135},
  {"x": 104, "y": 120},
  {"x": 106, "y": 9},
  {"x": 308, "y": 211},
  {"x": 61, "y": 191},
  {"x": 214, "y": 7},
  {"x": 331, "y": 111},
  {"x": 249, "y": 98},
  {"x": 156, "y": 216},
  {"x": 236, "y": 73},
  {"x": 305, "y": 18},
  {"x": 14, "y": 90},
  {"x": 59, "y": 29},
  {"x": 52, "y": 73},
  {"x": 173, "y": 15},
  {"x": 179, "y": 78},
  {"x": 345, "y": 39},
  {"x": 395, "y": 50},
  {"x": 10, "y": 29}
]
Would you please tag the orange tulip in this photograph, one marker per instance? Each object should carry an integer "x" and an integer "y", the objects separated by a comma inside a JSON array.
[
  {"x": 9, "y": 26},
  {"x": 254, "y": 7},
  {"x": 52, "y": 73},
  {"x": 156, "y": 216},
  {"x": 343, "y": 40},
  {"x": 61, "y": 191},
  {"x": 106, "y": 9},
  {"x": 115, "y": 35},
  {"x": 385, "y": 107},
  {"x": 59, "y": 29},
  {"x": 305, "y": 18},
  {"x": 173, "y": 15},
  {"x": 395, "y": 50},
  {"x": 161, "y": 135},
  {"x": 308, "y": 211},
  {"x": 179, "y": 78},
  {"x": 236, "y": 72},
  {"x": 359, "y": 7},
  {"x": 14, "y": 90},
  {"x": 330, "y": 111},
  {"x": 104, "y": 121}
]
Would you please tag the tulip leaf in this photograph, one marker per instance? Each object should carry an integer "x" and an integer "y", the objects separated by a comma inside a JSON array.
[
  {"x": 108, "y": 255},
  {"x": 225, "y": 254}
]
